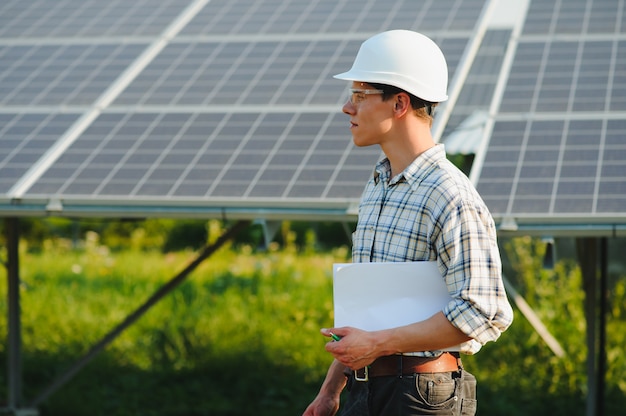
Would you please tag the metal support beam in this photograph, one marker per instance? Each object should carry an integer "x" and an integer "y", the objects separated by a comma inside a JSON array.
[
  {"x": 533, "y": 319},
  {"x": 604, "y": 294},
  {"x": 587, "y": 257},
  {"x": 593, "y": 259},
  {"x": 134, "y": 316},
  {"x": 14, "y": 341}
]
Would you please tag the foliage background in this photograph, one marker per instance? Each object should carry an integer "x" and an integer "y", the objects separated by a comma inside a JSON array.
[{"x": 241, "y": 335}]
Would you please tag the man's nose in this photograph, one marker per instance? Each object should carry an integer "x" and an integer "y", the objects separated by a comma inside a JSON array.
[{"x": 348, "y": 107}]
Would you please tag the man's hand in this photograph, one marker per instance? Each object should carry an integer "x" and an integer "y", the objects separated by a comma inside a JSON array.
[
  {"x": 327, "y": 401},
  {"x": 322, "y": 406},
  {"x": 355, "y": 350}
]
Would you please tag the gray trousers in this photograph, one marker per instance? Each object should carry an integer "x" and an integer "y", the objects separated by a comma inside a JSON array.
[{"x": 450, "y": 394}]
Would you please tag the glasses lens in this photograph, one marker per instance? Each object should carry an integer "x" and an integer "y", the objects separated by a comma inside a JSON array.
[{"x": 358, "y": 95}]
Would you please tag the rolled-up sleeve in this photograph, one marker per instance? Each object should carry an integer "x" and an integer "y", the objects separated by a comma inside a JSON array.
[{"x": 470, "y": 261}]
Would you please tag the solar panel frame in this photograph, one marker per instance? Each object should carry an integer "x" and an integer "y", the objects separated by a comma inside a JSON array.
[
  {"x": 216, "y": 114},
  {"x": 544, "y": 164}
]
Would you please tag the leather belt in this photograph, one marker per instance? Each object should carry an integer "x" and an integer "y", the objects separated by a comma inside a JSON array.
[{"x": 399, "y": 365}]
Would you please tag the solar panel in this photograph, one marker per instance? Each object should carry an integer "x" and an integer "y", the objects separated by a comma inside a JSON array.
[
  {"x": 235, "y": 106},
  {"x": 232, "y": 104},
  {"x": 557, "y": 147}
]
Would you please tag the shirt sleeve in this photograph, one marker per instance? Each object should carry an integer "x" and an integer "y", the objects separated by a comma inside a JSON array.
[{"x": 469, "y": 255}]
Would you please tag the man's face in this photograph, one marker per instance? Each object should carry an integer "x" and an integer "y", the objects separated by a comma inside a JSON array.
[{"x": 370, "y": 116}]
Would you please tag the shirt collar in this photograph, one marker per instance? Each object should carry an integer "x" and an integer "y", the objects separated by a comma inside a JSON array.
[{"x": 415, "y": 172}]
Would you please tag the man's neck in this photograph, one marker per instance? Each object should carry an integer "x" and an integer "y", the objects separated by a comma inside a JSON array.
[{"x": 403, "y": 150}]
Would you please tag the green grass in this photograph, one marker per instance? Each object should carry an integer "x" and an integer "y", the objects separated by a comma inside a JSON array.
[{"x": 241, "y": 335}]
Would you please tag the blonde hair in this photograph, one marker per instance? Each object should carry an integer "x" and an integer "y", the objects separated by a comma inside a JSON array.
[{"x": 426, "y": 113}]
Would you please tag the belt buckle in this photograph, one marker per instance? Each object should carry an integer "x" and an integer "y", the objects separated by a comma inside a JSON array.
[{"x": 365, "y": 376}]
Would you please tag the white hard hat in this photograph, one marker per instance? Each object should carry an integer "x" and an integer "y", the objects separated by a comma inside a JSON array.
[{"x": 405, "y": 59}]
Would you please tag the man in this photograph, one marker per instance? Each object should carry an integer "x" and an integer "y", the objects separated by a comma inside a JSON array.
[{"x": 416, "y": 207}]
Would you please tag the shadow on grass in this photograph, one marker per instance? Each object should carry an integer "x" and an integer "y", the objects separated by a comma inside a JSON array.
[
  {"x": 253, "y": 384},
  {"x": 238, "y": 385}
]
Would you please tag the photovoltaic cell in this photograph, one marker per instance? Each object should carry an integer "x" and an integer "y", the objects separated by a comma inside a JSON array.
[
  {"x": 217, "y": 158},
  {"x": 237, "y": 17},
  {"x": 251, "y": 73},
  {"x": 24, "y": 140},
  {"x": 578, "y": 175},
  {"x": 577, "y": 74},
  {"x": 54, "y": 75},
  {"x": 86, "y": 18},
  {"x": 575, "y": 17}
]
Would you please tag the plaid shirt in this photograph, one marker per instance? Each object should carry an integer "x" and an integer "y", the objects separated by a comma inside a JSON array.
[{"x": 431, "y": 212}]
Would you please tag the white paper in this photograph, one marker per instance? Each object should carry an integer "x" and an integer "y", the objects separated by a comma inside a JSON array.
[{"x": 374, "y": 296}]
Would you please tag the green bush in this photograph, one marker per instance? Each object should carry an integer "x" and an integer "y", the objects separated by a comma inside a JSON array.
[
  {"x": 173, "y": 235},
  {"x": 241, "y": 335}
]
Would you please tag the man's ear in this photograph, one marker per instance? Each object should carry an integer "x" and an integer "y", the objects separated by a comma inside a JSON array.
[{"x": 402, "y": 103}]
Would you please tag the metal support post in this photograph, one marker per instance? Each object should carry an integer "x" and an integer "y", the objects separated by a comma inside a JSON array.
[
  {"x": 14, "y": 341},
  {"x": 593, "y": 259}
]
